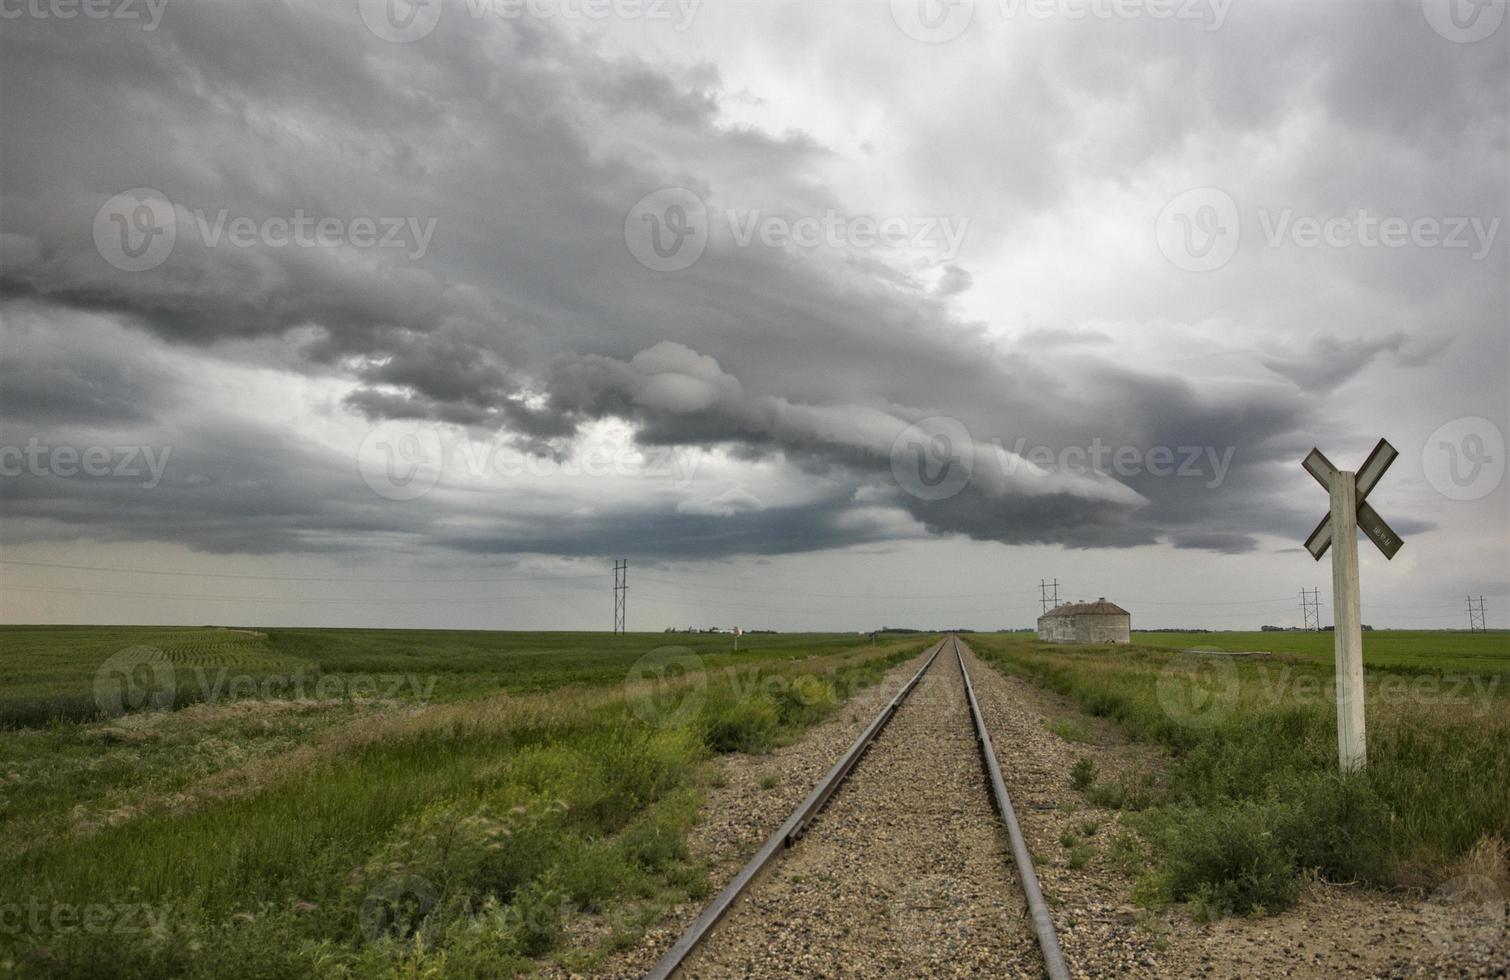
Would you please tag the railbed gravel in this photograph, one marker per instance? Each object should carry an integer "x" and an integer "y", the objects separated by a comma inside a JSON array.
[{"x": 905, "y": 873}]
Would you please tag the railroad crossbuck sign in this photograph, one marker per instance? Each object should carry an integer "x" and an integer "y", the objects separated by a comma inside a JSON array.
[{"x": 1339, "y": 531}]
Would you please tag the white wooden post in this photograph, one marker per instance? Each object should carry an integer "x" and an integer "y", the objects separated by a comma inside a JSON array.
[{"x": 1347, "y": 622}]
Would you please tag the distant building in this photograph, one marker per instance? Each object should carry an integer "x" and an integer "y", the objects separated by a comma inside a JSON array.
[{"x": 1086, "y": 622}]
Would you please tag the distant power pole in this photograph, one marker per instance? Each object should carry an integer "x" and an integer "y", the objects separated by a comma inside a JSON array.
[
  {"x": 1310, "y": 609},
  {"x": 620, "y": 590},
  {"x": 1476, "y": 616},
  {"x": 1043, "y": 594}
]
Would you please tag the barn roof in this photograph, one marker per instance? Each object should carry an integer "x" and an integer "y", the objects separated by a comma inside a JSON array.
[{"x": 1098, "y": 608}]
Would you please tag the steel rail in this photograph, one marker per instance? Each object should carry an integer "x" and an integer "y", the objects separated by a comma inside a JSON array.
[
  {"x": 788, "y": 834},
  {"x": 1043, "y": 923}
]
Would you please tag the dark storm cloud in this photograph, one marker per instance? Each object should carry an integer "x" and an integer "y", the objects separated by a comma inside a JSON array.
[{"x": 527, "y": 315}]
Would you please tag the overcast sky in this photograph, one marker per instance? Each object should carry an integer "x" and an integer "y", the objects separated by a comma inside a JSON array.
[{"x": 825, "y": 315}]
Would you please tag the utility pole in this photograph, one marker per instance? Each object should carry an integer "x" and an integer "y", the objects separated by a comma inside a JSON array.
[
  {"x": 620, "y": 589},
  {"x": 1476, "y": 616},
  {"x": 1043, "y": 594},
  {"x": 1310, "y": 609}
]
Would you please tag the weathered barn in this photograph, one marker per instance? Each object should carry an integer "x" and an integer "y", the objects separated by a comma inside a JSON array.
[{"x": 1086, "y": 622}]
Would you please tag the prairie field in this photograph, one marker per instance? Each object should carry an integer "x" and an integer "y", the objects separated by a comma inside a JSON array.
[
  {"x": 444, "y": 802},
  {"x": 1252, "y": 802}
]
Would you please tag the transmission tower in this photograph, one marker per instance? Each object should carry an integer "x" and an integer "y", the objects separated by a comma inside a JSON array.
[
  {"x": 1476, "y": 616},
  {"x": 1043, "y": 594},
  {"x": 1310, "y": 609},
  {"x": 620, "y": 590}
]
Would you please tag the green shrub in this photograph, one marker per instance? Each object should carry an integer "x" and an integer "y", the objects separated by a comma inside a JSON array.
[
  {"x": 1083, "y": 773},
  {"x": 746, "y": 725},
  {"x": 1230, "y": 860}
]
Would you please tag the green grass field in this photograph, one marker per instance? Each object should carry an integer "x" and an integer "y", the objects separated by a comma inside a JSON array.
[
  {"x": 49, "y": 672},
  {"x": 1252, "y": 800},
  {"x": 544, "y": 780},
  {"x": 1399, "y": 650}
]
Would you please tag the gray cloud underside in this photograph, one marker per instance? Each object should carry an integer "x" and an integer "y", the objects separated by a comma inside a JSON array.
[{"x": 529, "y": 317}]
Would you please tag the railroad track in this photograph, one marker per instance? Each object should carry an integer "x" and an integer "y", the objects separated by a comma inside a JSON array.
[{"x": 940, "y": 723}]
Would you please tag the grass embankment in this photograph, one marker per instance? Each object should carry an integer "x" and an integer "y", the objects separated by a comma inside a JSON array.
[
  {"x": 446, "y": 839},
  {"x": 48, "y": 673},
  {"x": 1253, "y": 800}
]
